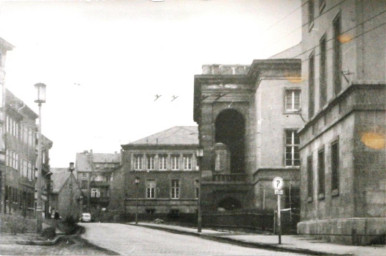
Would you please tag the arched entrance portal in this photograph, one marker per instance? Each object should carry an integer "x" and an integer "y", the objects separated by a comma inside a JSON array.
[
  {"x": 229, "y": 204},
  {"x": 230, "y": 130}
]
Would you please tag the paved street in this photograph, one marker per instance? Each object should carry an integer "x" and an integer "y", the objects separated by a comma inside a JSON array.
[{"x": 131, "y": 240}]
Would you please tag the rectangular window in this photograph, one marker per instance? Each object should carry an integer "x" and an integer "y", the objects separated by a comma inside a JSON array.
[
  {"x": 138, "y": 162},
  {"x": 292, "y": 157},
  {"x": 150, "y": 162},
  {"x": 187, "y": 162},
  {"x": 197, "y": 188},
  {"x": 175, "y": 160},
  {"x": 310, "y": 178},
  {"x": 311, "y": 85},
  {"x": 175, "y": 189},
  {"x": 162, "y": 162},
  {"x": 310, "y": 13},
  {"x": 83, "y": 184},
  {"x": 321, "y": 174},
  {"x": 337, "y": 55},
  {"x": 335, "y": 167},
  {"x": 292, "y": 100},
  {"x": 322, "y": 77},
  {"x": 150, "y": 189}
]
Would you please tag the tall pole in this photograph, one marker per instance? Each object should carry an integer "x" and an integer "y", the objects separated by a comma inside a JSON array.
[
  {"x": 278, "y": 218},
  {"x": 39, "y": 217},
  {"x": 199, "y": 214},
  {"x": 136, "y": 204}
]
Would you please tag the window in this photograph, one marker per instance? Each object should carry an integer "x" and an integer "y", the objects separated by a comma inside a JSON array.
[
  {"x": 310, "y": 13},
  {"x": 138, "y": 162},
  {"x": 175, "y": 189},
  {"x": 292, "y": 100},
  {"x": 197, "y": 188},
  {"x": 83, "y": 184},
  {"x": 321, "y": 180},
  {"x": 188, "y": 162},
  {"x": 150, "y": 211},
  {"x": 322, "y": 77},
  {"x": 175, "y": 159},
  {"x": 337, "y": 55},
  {"x": 150, "y": 189},
  {"x": 162, "y": 162},
  {"x": 150, "y": 162},
  {"x": 335, "y": 167},
  {"x": 311, "y": 85},
  {"x": 310, "y": 178},
  {"x": 292, "y": 157}
]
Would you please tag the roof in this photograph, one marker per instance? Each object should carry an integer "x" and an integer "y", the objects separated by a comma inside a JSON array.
[
  {"x": 291, "y": 52},
  {"x": 84, "y": 159},
  {"x": 177, "y": 135},
  {"x": 59, "y": 177}
]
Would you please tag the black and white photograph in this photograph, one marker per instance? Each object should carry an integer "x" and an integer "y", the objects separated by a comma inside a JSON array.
[{"x": 193, "y": 127}]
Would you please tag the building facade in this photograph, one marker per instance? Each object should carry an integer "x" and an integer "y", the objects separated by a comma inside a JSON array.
[
  {"x": 343, "y": 158},
  {"x": 165, "y": 167},
  {"x": 66, "y": 197},
  {"x": 249, "y": 116},
  {"x": 4, "y": 48},
  {"x": 94, "y": 172}
]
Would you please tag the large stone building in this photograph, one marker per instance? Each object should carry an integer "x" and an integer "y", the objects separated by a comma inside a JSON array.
[
  {"x": 343, "y": 158},
  {"x": 248, "y": 117},
  {"x": 4, "y": 48},
  {"x": 165, "y": 166},
  {"x": 94, "y": 172},
  {"x": 20, "y": 158}
]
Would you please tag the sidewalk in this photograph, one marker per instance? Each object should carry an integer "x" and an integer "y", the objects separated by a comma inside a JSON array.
[{"x": 290, "y": 243}]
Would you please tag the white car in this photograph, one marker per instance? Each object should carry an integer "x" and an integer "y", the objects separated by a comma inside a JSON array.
[{"x": 86, "y": 217}]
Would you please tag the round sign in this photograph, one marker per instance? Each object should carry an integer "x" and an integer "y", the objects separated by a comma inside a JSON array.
[{"x": 277, "y": 182}]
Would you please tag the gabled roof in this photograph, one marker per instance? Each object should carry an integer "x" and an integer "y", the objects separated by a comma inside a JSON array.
[
  {"x": 106, "y": 158},
  {"x": 177, "y": 135},
  {"x": 59, "y": 177}
]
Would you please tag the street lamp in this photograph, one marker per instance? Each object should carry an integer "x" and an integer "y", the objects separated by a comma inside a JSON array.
[
  {"x": 136, "y": 182},
  {"x": 71, "y": 168},
  {"x": 199, "y": 155},
  {"x": 41, "y": 98}
]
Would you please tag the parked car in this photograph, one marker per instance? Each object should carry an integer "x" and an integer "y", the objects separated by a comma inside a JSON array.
[{"x": 86, "y": 217}]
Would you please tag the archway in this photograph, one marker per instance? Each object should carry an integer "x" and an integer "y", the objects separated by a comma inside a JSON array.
[
  {"x": 230, "y": 130},
  {"x": 229, "y": 204}
]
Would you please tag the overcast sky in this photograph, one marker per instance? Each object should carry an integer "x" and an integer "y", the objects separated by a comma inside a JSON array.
[{"x": 104, "y": 61}]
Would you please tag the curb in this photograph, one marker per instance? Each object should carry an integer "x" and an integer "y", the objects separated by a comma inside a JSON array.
[{"x": 217, "y": 238}]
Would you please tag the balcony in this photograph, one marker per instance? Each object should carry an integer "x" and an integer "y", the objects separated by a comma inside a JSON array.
[
  {"x": 99, "y": 183},
  {"x": 229, "y": 178}
]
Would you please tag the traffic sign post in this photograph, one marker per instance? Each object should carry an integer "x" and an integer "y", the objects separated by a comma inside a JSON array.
[{"x": 277, "y": 184}]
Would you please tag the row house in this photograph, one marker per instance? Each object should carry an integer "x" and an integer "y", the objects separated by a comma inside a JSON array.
[
  {"x": 342, "y": 149},
  {"x": 159, "y": 174},
  {"x": 20, "y": 138},
  {"x": 4, "y": 48},
  {"x": 94, "y": 172}
]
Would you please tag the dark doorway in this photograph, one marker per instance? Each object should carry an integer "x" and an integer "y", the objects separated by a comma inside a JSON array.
[
  {"x": 229, "y": 204},
  {"x": 230, "y": 130}
]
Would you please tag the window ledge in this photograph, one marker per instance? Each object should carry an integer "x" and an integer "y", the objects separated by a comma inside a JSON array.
[
  {"x": 335, "y": 192},
  {"x": 321, "y": 196},
  {"x": 292, "y": 112}
]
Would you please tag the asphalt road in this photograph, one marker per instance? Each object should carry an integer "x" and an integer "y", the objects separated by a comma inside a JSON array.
[{"x": 132, "y": 240}]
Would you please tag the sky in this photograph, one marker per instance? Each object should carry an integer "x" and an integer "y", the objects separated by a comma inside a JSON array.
[{"x": 103, "y": 61}]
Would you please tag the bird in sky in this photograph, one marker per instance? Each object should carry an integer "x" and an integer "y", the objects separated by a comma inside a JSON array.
[
  {"x": 157, "y": 96},
  {"x": 174, "y": 97}
]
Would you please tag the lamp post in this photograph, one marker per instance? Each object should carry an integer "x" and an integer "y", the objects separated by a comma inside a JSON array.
[
  {"x": 199, "y": 155},
  {"x": 71, "y": 168},
  {"x": 41, "y": 98},
  {"x": 136, "y": 182}
]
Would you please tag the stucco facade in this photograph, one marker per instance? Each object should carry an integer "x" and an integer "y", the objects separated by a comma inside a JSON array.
[
  {"x": 254, "y": 111},
  {"x": 165, "y": 166},
  {"x": 343, "y": 141}
]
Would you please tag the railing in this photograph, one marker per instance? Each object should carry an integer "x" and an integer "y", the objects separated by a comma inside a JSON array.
[{"x": 229, "y": 177}]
